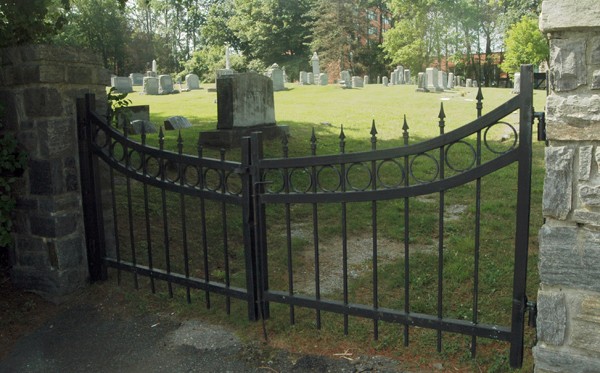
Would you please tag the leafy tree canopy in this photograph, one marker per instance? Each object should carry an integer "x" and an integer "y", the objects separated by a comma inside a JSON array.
[{"x": 525, "y": 44}]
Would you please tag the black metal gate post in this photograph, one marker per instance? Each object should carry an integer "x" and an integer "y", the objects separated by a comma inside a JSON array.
[
  {"x": 249, "y": 224},
  {"x": 523, "y": 207},
  {"x": 90, "y": 191}
]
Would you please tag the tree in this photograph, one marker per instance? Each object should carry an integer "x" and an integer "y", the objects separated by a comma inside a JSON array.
[
  {"x": 525, "y": 44},
  {"x": 31, "y": 21}
]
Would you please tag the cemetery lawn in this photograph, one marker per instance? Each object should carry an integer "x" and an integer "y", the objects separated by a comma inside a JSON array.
[{"x": 326, "y": 110}]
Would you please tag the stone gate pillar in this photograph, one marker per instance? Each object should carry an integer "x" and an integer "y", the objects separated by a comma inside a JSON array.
[
  {"x": 38, "y": 89},
  {"x": 569, "y": 296}
]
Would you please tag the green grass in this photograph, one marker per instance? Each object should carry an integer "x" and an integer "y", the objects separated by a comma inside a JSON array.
[{"x": 304, "y": 108}]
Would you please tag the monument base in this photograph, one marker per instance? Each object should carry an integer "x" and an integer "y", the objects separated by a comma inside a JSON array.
[{"x": 230, "y": 138}]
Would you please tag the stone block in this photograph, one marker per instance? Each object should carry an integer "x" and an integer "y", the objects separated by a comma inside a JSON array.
[
  {"x": 560, "y": 15},
  {"x": 81, "y": 75},
  {"x": 45, "y": 177},
  {"x": 589, "y": 195},
  {"x": 573, "y": 117},
  {"x": 548, "y": 359},
  {"x": 585, "y": 326},
  {"x": 137, "y": 79},
  {"x": 583, "y": 216},
  {"x": 57, "y": 137},
  {"x": 595, "y": 80},
  {"x": 54, "y": 226},
  {"x": 558, "y": 192},
  {"x": 165, "y": 84},
  {"x": 51, "y": 73},
  {"x": 150, "y": 86},
  {"x": 123, "y": 84},
  {"x": 192, "y": 81},
  {"x": 569, "y": 257},
  {"x": 552, "y": 317},
  {"x": 568, "y": 69},
  {"x": 67, "y": 252},
  {"x": 585, "y": 162},
  {"x": 42, "y": 102}
]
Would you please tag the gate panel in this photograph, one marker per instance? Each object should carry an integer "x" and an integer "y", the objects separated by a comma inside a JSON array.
[{"x": 319, "y": 187}]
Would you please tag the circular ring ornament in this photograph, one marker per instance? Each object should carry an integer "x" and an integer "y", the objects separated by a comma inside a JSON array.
[
  {"x": 511, "y": 147},
  {"x": 301, "y": 180},
  {"x": 135, "y": 160},
  {"x": 382, "y": 175},
  {"x": 212, "y": 179},
  {"x": 420, "y": 179},
  {"x": 152, "y": 167},
  {"x": 191, "y": 176},
  {"x": 455, "y": 167},
  {"x": 359, "y": 177},
  {"x": 117, "y": 151},
  {"x": 330, "y": 182},
  {"x": 273, "y": 180},
  {"x": 233, "y": 184}
]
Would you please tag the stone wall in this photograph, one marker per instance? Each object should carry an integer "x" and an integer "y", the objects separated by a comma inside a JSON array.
[
  {"x": 569, "y": 263},
  {"x": 38, "y": 88}
]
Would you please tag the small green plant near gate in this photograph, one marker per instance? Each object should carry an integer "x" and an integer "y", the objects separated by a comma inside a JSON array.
[
  {"x": 116, "y": 100},
  {"x": 13, "y": 161}
]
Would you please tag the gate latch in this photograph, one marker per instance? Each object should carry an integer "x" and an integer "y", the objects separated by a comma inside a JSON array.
[
  {"x": 541, "y": 125},
  {"x": 531, "y": 308}
]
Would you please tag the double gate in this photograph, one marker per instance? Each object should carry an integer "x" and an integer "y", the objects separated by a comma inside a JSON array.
[{"x": 343, "y": 234}]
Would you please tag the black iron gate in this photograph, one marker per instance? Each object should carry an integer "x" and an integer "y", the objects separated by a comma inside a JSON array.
[{"x": 224, "y": 227}]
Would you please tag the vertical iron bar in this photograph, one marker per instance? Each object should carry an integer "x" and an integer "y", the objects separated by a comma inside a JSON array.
[
  {"x": 477, "y": 247},
  {"x": 91, "y": 191},
  {"x": 523, "y": 208},
  {"x": 186, "y": 259},
  {"x": 440, "y": 294},
  {"x": 127, "y": 156},
  {"x": 203, "y": 222},
  {"x": 288, "y": 229},
  {"x": 315, "y": 216},
  {"x": 344, "y": 230},
  {"x": 406, "y": 233},
  {"x": 224, "y": 232},
  {"x": 115, "y": 222},
  {"x": 146, "y": 211},
  {"x": 252, "y": 282},
  {"x": 163, "y": 171},
  {"x": 479, "y": 104},
  {"x": 374, "y": 225}
]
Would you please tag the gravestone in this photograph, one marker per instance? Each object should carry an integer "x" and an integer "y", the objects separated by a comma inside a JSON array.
[
  {"x": 176, "y": 123},
  {"x": 346, "y": 80},
  {"x": 378, "y": 79},
  {"x": 135, "y": 127},
  {"x": 316, "y": 68},
  {"x": 517, "y": 86},
  {"x": 400, "y": 78},
  {"x": 443, "y": 80},
  {"x": 310, "y": 78},
  {"x": 407, "y": 76},
  {"x": 357, "y": 82},
  {"x": 394, "y": 77},
  {"x": 121, "y": 84},
  {"x": 450, "y": 80},
  {"x": 165, "y": 85},
  {"x": 192, "y": 81},
  {"x": 245, "y": 105},
  {"x": 276, "y": 75},
  {"x": 422, "y": 82},
  {"x": 151, "y": 74},
  {"x": 385, "y": 81},
  {"x": 469, "y": 83},
  {"x": 131, "y": 113},
  {"x": 432, "y": 79},
  {"x": 136, "y": 78},
  {"x": 323, "y": 79},
  {"x": 366, "y": 80},
  {"x": 150, "y": 86},
  {"x": 154, "y": 67},
  {"x": 302, "y": 79},
  {"x": 474, "y": 83}
]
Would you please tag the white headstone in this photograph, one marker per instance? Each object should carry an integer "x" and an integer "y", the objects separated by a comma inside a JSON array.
[
  {"x": 474, "y": 83},
  {"x": 406, "y": 76},
  {"x": 469, "y": 83},
  {"x": 302, "y": 79},
  {"x": 517, "y": 86},
  {"x": 345, "y": 78},
  {"x": 136, "y": 78},
  {"x": 394, "y": 77},
  {"x": 357, "y": 82},
  {"x": 165, "y": 84},
  {"x": 443, "y": 80},
  {"x": 400, "y": 78},
  {"x": 450, "y": 80},
  {"x": 385, "y": 81},
  {"x": 316, "y": 68},
  {"x": 432, "y": 79},
  {"x": 323, "y": 79},
  {"x": 310, "y": 78},
  {"x": 122, "y": 84},
  {"x": 150, "y": 85},
  {"x": 154, "y": 67},
  {"x": 192, "y": 81},
  {"x": 276, "y": 75},
  {"x": 366, "y": 80}
]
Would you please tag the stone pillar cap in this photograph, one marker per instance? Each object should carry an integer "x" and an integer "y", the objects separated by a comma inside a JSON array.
[{"x": 560, "y": 15}]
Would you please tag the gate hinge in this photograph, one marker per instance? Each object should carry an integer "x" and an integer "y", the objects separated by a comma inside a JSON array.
[
  {"x": 531, "y": 308},
  {"x": 541, "y": 125}
]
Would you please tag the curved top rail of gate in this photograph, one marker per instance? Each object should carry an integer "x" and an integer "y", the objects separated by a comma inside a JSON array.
[
  {"x": 182, "y": 173},
  {"x": 279, "y": 174}
]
